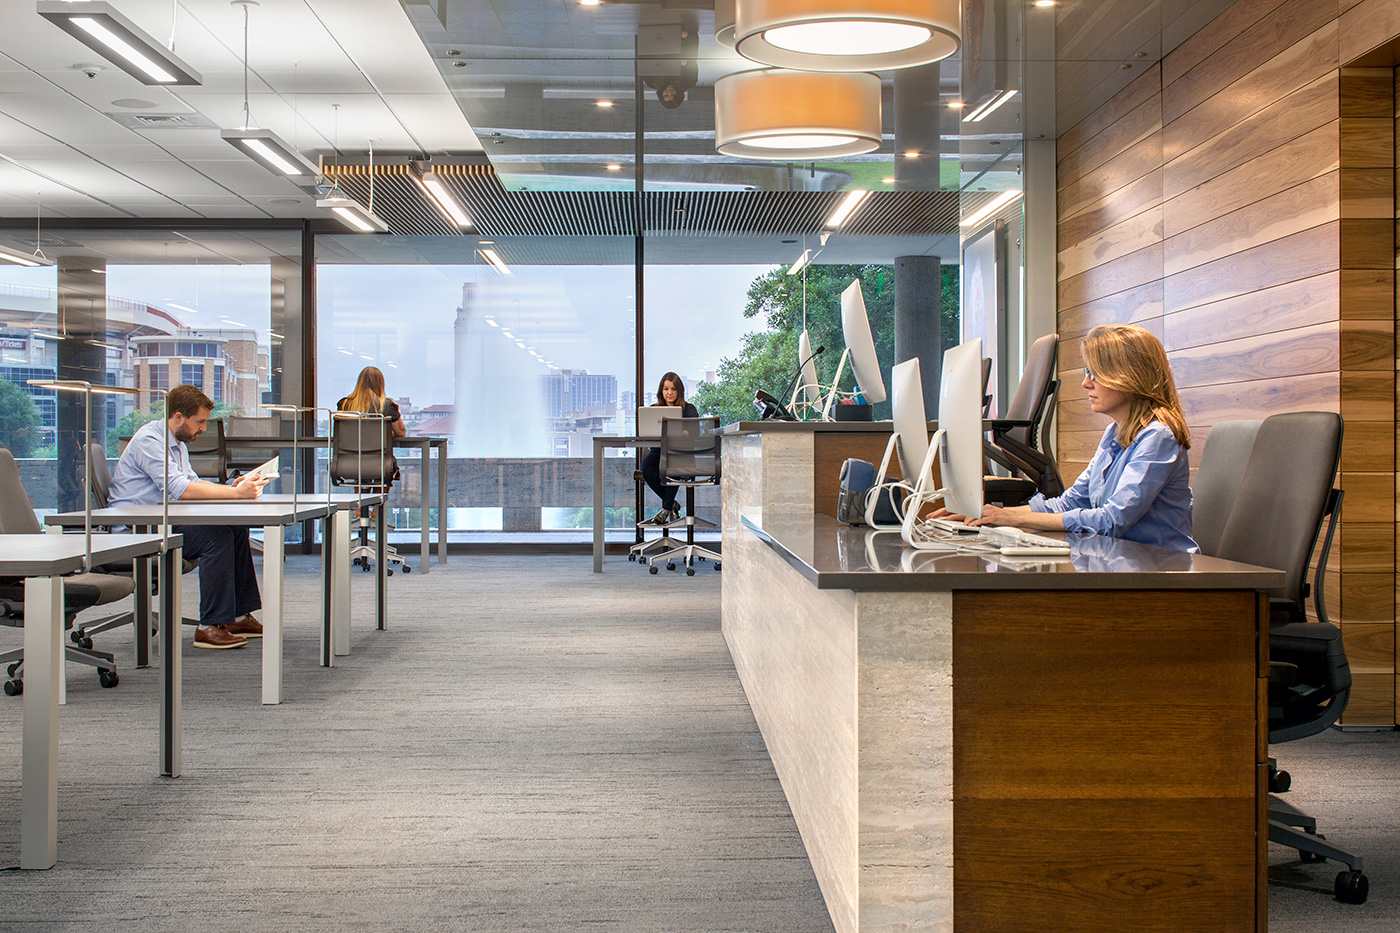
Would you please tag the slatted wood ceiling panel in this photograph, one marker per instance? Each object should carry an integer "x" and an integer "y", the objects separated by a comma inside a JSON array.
[{"x": 1239, "y": 201}]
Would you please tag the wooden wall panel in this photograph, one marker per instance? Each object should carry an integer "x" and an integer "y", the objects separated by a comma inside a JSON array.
[{"x": 1266, "y": 261}]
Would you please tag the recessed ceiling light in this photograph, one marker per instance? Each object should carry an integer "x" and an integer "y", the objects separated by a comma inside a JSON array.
[
  {"x": 589, "y": 2},
  {"x": 1045, "y": 2},
  {"x": 956, "y": 105},
  {"x": 605, "y": 103},
  {"x": 614, "y": 167},
  {"x": 911, "y": 154},
  {"x": 888, "y": 181}
]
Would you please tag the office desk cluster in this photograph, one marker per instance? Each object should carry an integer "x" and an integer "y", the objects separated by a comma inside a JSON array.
[{"x": 44, "y": 560}]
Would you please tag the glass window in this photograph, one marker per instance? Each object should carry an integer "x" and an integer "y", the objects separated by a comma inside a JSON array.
[{"x": 192, "y": 374}]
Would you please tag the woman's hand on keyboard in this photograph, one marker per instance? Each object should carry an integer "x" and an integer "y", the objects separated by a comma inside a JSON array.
[{"x": 949, "y": 516}]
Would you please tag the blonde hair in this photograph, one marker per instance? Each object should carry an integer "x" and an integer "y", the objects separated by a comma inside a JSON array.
[
  {"x": 1132, "y": 360},
  {"x": 369, "y": 391}
]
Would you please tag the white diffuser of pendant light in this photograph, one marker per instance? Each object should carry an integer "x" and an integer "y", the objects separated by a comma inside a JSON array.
[
  {"x": 796, "y": 116},
  {"x": 846, "y": 35}
]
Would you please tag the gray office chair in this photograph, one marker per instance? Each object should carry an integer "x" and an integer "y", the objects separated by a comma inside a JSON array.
[
  {"x": 1284, "y": 502},
  {"x": 100, "y": 484},
  {"x": 645, "y": 546},
  {"x": 1020, "y": 439},
  {"x": 80, "y": 591},
  {"x": 362, "y": 456},
  {"x": 690, "y": 457},
  {"x": 243, "y": 459},
  {"x": 209, "y": 454},
  {"x": 1217, "y": 480}
]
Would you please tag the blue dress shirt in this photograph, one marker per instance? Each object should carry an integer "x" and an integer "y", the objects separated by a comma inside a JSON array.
[
  {"x": 1141, "y": 493},
  {"x": 141, "y": 469}
]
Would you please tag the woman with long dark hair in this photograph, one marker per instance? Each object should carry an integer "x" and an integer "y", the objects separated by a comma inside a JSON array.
[{"x": 670, "y": 392}]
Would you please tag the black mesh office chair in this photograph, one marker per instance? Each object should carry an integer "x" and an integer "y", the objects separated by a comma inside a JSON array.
[
  {"x": 208, "y": 453},
  {"x": 689, "y": 457},
  {"x": 1284, "y": 502},
  {"x": 362, "y": 456},
  {"x": 1020, "y": 439},
  {"x": 243, "y": 459},
  {"x": 80, "y": 591}
]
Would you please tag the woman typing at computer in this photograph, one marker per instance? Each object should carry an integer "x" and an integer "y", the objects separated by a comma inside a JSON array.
[
  {"x": 1137, "y": 486},
  {"x": 670, "y": 392}
]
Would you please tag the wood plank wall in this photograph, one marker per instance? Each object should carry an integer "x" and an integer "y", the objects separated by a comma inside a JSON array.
[{"x": 1238, "y": 200}]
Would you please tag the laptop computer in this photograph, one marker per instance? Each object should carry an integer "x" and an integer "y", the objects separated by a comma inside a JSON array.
[{"x": 649, "y": 418}]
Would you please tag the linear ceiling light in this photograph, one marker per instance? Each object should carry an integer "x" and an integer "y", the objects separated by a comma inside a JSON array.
[
  {"x": 797, "y": 116},
  {"x": 120, "y": 41},
  {"x": 996, "y": 204},
  {"x": 846, "y": 208},
  {"x": 268, "y": 150},
  {"x": 984, "y": 109},
  {"x": 801, "y": 263},
  {"x": 437, "y": 191},
  {"x": 354, "y": 215},
  {"x": 847, "y": 35},
  {"x": 22, "y": 259},
  {"x": 490, "y": 256}
]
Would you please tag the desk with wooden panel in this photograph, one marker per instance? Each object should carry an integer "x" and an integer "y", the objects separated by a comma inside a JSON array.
[{"x": 977, "y": 743}]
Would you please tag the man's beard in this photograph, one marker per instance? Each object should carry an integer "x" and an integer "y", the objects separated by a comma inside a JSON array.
[{"x": 184, "y": 434}]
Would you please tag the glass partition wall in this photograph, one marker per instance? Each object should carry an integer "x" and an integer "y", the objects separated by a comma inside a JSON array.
[{"x": 143, "y": 308}]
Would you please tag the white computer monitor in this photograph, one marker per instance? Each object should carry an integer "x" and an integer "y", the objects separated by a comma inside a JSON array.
[
  {"x": 957, "y": 444},
  {"x": 860, "y": 350},
  {"x": 910, "y": 436},
  {"x": 809, "y": 388}
]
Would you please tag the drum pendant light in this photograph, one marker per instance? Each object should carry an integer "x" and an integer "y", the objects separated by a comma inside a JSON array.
[
  {"x": 846, "y": 35},
  {"x": 797, "y": 116}
]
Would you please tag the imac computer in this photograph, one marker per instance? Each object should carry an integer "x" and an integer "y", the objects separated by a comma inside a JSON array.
[
  {"x": 807, "y": 388},
  {"x": 909, "y": 438},
  {"x": 957, "y": 444},
  {"x": 860, "y": 351}
]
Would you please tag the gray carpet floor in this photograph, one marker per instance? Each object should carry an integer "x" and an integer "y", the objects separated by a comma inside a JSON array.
[{"x": 530, "y": 746}]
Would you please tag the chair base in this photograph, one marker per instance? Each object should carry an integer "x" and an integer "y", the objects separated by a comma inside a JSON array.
[
  {"x": 365, "y": 554},
  {"x": 687, "y": 554},
  {"x": 13, "y": 663}
]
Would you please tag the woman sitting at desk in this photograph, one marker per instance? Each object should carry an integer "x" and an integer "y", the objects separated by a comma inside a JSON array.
[
  {"x": 369, "y": 397},
  {"x": 1138, "y": 484},
  {"x": 670, "y": 392}
]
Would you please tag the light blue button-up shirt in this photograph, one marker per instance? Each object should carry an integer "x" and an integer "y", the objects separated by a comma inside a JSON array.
[
  {"x": 141, "y": 470},
  {"x": 1141, "y": 493}
]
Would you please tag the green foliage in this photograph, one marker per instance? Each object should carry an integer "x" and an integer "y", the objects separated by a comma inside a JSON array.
[
  {"x": 129, "y": 423},
  {"x": 19, "y": 420},
  {"x": 768, "y": 358}
]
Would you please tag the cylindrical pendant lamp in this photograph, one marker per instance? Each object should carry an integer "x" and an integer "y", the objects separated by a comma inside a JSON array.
[
  {"x": 797, "y": 116},
  {"x": 846, "y": 35},
  {"x": 724, "y": 22}
]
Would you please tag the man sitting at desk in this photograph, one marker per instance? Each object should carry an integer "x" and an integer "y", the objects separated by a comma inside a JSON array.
[{"x": 228, "y": 588}]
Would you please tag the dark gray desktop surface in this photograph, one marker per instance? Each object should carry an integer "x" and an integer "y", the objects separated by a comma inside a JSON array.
[{"x": 833, "y": 555}]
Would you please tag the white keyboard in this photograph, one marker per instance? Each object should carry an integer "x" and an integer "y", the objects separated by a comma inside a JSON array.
[
  {"x": 948, "y": 525},
  {"x": 1014, "y": 542}
]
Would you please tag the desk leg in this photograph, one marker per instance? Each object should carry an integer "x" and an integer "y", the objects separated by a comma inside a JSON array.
[
  {"x": 597, "y": 507},
  {"x": 328, "y": 525},
  {"x": 141, "y": 611},
  {"x": 340, "y": 577},
  {"x": 170, "y": 569},
  {"x": 423, "y": 562},
  {"x": 442, "y": 504},
  {"x": 43, "y": 658},
  {"x": 272, "y": 614},
  {"x": 381, "y": 564}
]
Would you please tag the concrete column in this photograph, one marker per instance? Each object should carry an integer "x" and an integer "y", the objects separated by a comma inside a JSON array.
[
  {"x": 82, "y": 317},
  {"x": 916, "y": 129},
  {"x": 918, "y": 317}
]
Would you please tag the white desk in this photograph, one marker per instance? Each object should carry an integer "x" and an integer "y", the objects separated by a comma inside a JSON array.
[
  {"x": 43, "y": 560},
  {"x": 335, "y": 565},
  {"x": 424, "y": 445},
  {"x": 272, "y": 517},
  {"x": 602, "y": 442}
]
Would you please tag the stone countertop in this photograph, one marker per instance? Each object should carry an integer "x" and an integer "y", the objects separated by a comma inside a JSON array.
[
  {"x": 817, "y": 427},
  {"x": 833, "y": 555}
]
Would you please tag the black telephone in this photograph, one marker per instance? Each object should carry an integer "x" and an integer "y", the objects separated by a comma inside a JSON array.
[{"x": 770, "y": 409}]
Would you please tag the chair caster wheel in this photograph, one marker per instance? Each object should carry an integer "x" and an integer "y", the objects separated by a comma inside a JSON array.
[
  {"x": 690, "y": 571},
  {"x": 86, "y": 642},
  {"x": 12, "y": 669},
  {"x": 670, "y": 565},
  {"x": 389, "y": 572},
  {"x": 406, "y": 569},
  {"x": 1351, "y": 887},
  {"x": 1279, "y": 782},
  {"x": 716, "y": 565},
  {"x": 632, "y": 557},
  {"x": 108, "y": 678},
  {"x": 14, "y": 688},
  {"x": 653, "y": 568}
]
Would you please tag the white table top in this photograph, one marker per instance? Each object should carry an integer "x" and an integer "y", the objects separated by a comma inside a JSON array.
[
  {"x": 339, "y": 500},
  {"x": 251, "y": 512},
  {"x": 50, "y": 555}
]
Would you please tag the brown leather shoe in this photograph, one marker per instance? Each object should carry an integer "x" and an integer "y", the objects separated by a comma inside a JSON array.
[
  {"x": 247, "y": 626},
  {"x": 217, "y": 636}
]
